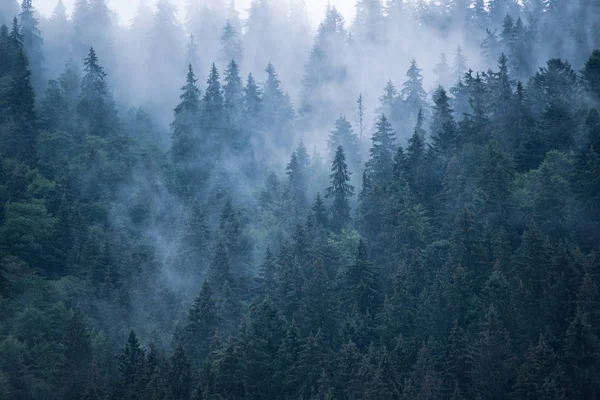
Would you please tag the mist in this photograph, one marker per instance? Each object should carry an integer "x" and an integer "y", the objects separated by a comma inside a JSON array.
[{"x": 292, "y": 200}]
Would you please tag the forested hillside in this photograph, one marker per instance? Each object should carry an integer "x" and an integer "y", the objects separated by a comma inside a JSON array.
[{"x": 236, "y": 207}]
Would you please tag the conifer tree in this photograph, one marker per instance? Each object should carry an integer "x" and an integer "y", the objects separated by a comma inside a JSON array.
[
  {"x": 267, "y": 274},
  {"x": 132, "y": 365},
  {"x": 186, "y": 120},
  {"x": 442, "y": 72},
  {"x": 32, "y": 43},
  {"x": 96, "y": 107},
  {"x": 212, "y": 106},
  {"x": 343, "y": 135},
  {"x": 412, "y": 91},
  {"x": 380, "y": 165},
  {"x": 443, "y": 128},
  {"x": 231, "y": 45},
  {"x": 201, "y": 324},
  {"x": 220, "y": 267},
  {"x": 180, "y": 376},
  {"x": 460, "y": 65},
  {"x": 320, "y": 212},
  {"x": 388, "y": 101},
  {"x": 341, "y": 191}
]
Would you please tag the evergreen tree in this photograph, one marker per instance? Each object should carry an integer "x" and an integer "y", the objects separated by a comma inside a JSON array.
[
  {"x": 460, "y": 65},
  {"x": 340, "y": 191},
  {"x": 412, "y": 91},
  {"x": 212, "y": 116},
  {"x": 442, "y": 72},
  {"x": 32, "y": 43},
  {"x": 186, "y": 120},
  {"x": 132, "y": 365},
  {"x": 180, "y": 376},
  {"x": 231, "y": 45},
  {"x": 343, "y": 135},
  {"x": 220, "y": 267},
  {"x": 380, "y": 165},
  {"x": 96, "y": 107},
  {"x": 443, "y": 128},
  {"x": 201, "y": 324}
]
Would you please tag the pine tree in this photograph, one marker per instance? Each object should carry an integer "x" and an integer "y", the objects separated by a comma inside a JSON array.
[
  {"x": 360, "y": 117},
  {"x": 495, "y": 178},
  {"x": 132, "y": 365},
  {"x": 252, "y": 99},
  {"x": 231, "y": 45},
  {"x": 20, "y": 134},
  {"x": 360, "y": 284},
  {"x": 233, "y": 97},
  {"x": 267, "y": 274},
  {"x": 443, "y": 128},
  {"x": 180, "y": 376},
  {"x": 220, "y": 267},
  {"x": 317, "y": 311},
  {"x": 540, "y": 376},
  {"x": 412, "y": 91},
  {"x": 277, "y": 111},
  {"x": 201, "y": 324},
  {"x": 492, "y": 361},
  {"x": 460, "y": 65},
  {"x": 186, "y": 120},
  {"x": 320, "y": 212},
  {"x": 96, "y": 107},
  {"x": 77, "y": 357},
  {"x": 442, "y": 72},
  {"x": 296, "y": 190},
  {"x": 32, "y": 43},
  {"x": 388, "y": 101},
  {"x": 581, "y": 351},
  {"x": 213, "y": 106},
  {"x": 341, "y": 191},
  {"x": 343, "y": 135},
  {"x": 380, "y": 165}
]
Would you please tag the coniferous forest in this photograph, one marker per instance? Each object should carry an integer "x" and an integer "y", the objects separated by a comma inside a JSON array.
[{"x": 213, "y": 203}]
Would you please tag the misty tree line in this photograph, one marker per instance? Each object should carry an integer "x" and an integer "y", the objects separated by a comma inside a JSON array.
[{"x": 448, "y": 250}]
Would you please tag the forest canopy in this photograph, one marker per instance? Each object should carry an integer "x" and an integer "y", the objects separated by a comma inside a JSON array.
[{"x": 232, "y": 206}]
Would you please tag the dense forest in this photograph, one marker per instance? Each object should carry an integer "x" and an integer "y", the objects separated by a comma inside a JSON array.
[{"x": 236, "y": 207}]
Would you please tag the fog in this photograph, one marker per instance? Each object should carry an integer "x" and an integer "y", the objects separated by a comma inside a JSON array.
[{"x": 175, "y": 150}]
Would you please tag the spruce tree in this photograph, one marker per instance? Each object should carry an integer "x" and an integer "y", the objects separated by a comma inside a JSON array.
[
  {"x": 443, "y": 128},
  {"x": 32, "y": 43},
  {"x": 343, "y": 135},
  {"x": 180, "y": 376},
  {"x": 96, "y": 107},
  {"x": 213, "y": 107},
  {"x": 412, "y": 91},
  {"x": 201, "y": 323},
  {"x": 460, "y": 65},
  {"x": 132, "y": 365},
  {"x": 186, "y": 119},
  {"x": 380, "y": 165},
  {"x": 231, "y": 45},
  {"x": 341, "y": 191}
]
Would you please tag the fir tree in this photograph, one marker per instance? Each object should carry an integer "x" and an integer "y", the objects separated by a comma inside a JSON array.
[
  {"x": 132, "y": 365},
  {"x": 180, "y": 376},
  {"x": 412, "y": 91},
  {"x": 231, "y": 46},
  {"x": 186, "y": 120},
  {"x": 96, "y": 107},
  {"x": 32, "y": 43},
  {"x": 340, "y": 191},
  {"x": 443, "y": 128},
  {"x": 382, "y": 152}
]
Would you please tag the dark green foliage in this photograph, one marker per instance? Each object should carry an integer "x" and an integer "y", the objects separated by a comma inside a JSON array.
[
  {"x": 96, "y": 107},
  {"x": 340, "y": 191},
  {"x": 480, "y": 204}
]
